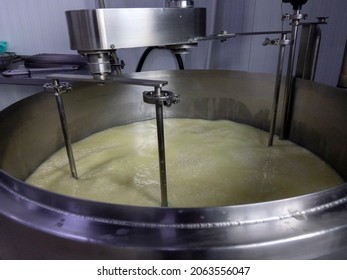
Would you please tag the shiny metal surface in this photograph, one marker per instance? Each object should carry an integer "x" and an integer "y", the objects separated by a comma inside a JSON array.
[
  {"x": 99, "y": 33},
  {"x": 108, "y": 29},
  {"x": 161, "y": 98},
  {"x": 161, "y": 152},
  {"x": 180, "y": 3},
  {"x": 343, "y": 74},
  {"x": 112, "y": 79},
  {"x": 308, "y": 50},
  {"x": 59, "y": 90},
  {"x": 38, "y": 224},
  {"x": 279, "y": 72},
  {"x": 287, "y": 106}
]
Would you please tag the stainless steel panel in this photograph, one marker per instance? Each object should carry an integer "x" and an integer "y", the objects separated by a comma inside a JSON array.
[
  {"x": 308, "y": 51},
  {"x": 318, "y": 122},
  {"x": 106, "y": 29}
]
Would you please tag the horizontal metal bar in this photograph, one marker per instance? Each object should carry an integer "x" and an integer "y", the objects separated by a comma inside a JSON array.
[
  {"x": 225, "y": 35},
  {"x": 262, "y": 33},
  {"x": 29, "y": 71},
  {"x": 111, "y": 79}
]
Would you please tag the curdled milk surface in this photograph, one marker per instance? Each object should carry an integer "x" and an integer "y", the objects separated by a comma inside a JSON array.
[{"x": 209, "y": 163}]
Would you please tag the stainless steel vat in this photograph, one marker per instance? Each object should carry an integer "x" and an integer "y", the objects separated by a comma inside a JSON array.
[{"x": 36, "y": 224}]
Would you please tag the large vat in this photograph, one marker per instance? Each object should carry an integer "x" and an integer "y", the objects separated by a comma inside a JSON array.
[{"x": 36, "y": 224}]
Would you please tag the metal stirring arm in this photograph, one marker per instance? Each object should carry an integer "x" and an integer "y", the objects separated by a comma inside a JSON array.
[
  {"x": 287, "y": 100},
  {"x": 281, "y": 43},
  {"x": 157, "y": 97},
  {"x": 110, "y": 79},
  {"x": 59, "y": 89},
  {"x": 161, "y": 98}
]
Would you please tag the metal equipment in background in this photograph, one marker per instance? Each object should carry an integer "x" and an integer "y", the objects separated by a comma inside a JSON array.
[
  {"x": 282, "y": 43},
  {"x": 309, "y": 49},
  {"x": 309, "y": 226},
  {"x": 305, "y": 66},
  {"x": 177, "y": 27},
  {"x": 307, "y": 57},
  {"x": 295, "y": 19},
  {"x": 112, "y": 29},
  {"x": 157, "y": 97}
]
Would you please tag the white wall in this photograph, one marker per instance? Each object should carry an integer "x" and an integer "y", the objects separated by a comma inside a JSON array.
[{"x": 39, "y": 26}]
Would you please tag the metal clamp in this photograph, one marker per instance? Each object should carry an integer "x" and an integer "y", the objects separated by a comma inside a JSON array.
[
  {"x": 268, "y": 41},
  {"x": 57, "y": 87},
  {"x": 286, "y": 17},
  {"x": 278, "y": 42},
  {"x": 166, "y": 98},
  {"x": 294, "y": 17},
  {"x": 299, "y": 16},
  {"x": 322, "y": 20}
]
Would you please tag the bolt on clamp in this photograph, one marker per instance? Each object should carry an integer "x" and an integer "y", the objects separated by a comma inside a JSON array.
[
  {"x": 281, "y": 42},
  {"x": 166, "y": 98},
  {"x": 57, "y": 88}
]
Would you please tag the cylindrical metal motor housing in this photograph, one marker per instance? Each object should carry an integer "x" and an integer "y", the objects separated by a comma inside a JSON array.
[{"x": 109, "y": 29}]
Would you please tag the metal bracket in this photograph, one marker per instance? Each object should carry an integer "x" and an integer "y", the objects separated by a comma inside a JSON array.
[
  {"x": 294, "y": 17},
  {"x": 286, "y": 17},
  {"x": 166, "y": 98},
  {"x": 277, "y": 42},
  {"x": 57, "y": 87},
  {"x": 299, "y": 17},
  {"x": 322, "y": 20}
]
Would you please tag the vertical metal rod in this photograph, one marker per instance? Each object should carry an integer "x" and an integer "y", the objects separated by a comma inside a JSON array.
[
  {"x": 102, "y": 4},
  {"x": 316, "y": 52},
  {"x": 277, "y": 90},
  {"x": 289, "y": 79},
  {"x": 161, "y": 150},
  {"x": 342, "y": 83},
  {"x": 66, "y": 134}
]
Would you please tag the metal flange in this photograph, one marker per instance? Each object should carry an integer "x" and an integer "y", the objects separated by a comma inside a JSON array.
[
  {"x": 57, "y": 87},
  {"x": 166, "y": 98},
  {"x": 294, "y": 17},
  {"x": 281, "y": 42}
]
